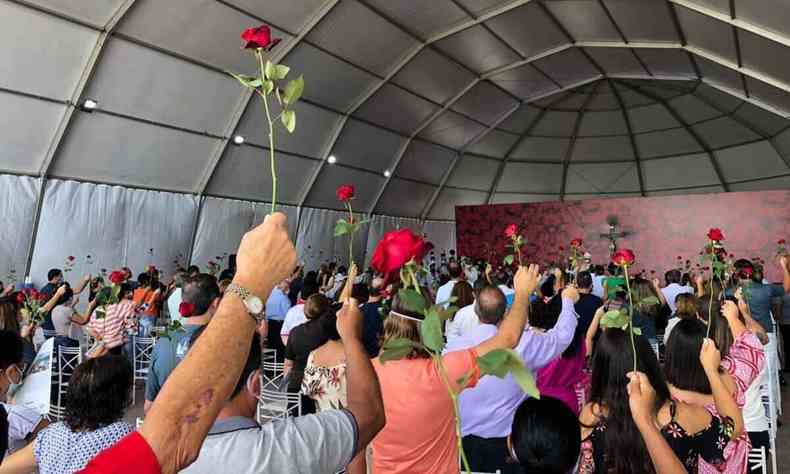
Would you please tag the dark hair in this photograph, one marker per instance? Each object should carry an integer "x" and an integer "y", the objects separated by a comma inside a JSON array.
[
  {"x": 193, "y": 269},
  {"x": 342, "y": 269},
  {"x": 360, "y": 292},
  {"x": 625, "y": 451},
  {"x": 316, "y": 306},
  {"x": 10, "y": 348},
  {"x": 546, "y": 436},
  {"x": 613, "y": 269},
  {"x": 328, "y": 324},
  {"x": 8, "y": 315},
  {"x": 742, "y": 264},
  {"x": 144, "y": 279},
  {"x": 454, "y": 270},
  {"x": 681, "y": 361},
  {"x": 687, "y": 306},
  {"x": 99, "y": 392},
  {"x": 309, "y": 288},
  {"x": 311, "y": 277},
  {"x": 490, "y": 305},
  {"x": 547, "y": 288},
  {"x": 584, "y": 280},
  {"x": 54, "y": 273},
  {"x": 673, "y": 276},
  {"x": 463, "y": 293},
  {"x": 200, "y": 290},
  {"x": 66, "y": 296}
]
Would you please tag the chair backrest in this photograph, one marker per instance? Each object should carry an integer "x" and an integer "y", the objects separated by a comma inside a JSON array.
[
  {"x": 143, "y": 348},
  {"x": 272, "y": 374},
  {"x": 277, "y": 405},
  {"x": 269, "y": 355},
  {"x": 758, "y": 459},
  {"x": 66, "y": 360}
]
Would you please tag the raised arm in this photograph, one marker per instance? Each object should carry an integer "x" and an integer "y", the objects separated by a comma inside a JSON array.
[
  {"x": 83, "y": 283},
  {"x": 190, "y": 400},
  {"x": 725, "y": 403},
  {"x": 731, "y": 312},
  {"x": 641, "y": 399},
  {"x": 751, "y": 324},
  {"x": 50, "y": 305},
  {"x": 509, "y": 333},
  {"x": 783, "y": 262},
  {"x": 659, "y": 293},
  {"x": 364, "y": 393}
]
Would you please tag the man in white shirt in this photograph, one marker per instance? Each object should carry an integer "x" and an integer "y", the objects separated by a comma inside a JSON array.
[
  {"x": 673, "y": 288},
  {"x": 295, "y": 316},
  {"x": 598, "y": 277},
  {"x": 466, "y": 318},
  {"x": 175, "y": 299},
  {"x": 445, "y": 291}
]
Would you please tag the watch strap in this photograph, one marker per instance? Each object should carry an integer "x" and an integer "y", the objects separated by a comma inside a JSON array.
[{"x": 243, "y": 294}]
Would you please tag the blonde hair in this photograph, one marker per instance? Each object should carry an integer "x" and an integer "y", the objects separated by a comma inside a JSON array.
[
  {"x": 686, "y": 304},
  {"x": 397, "y": 327}
]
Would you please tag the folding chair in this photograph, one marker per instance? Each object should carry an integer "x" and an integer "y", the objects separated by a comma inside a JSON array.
[
  {"x": 272, "y": 374},
  {"x": 66, "y": 360},
  {"x": 277, "y": 405},
  {"x": 769, "y": 403},
  {"x": 142, "y": 350},
  {"x": 758, "y": 459}
]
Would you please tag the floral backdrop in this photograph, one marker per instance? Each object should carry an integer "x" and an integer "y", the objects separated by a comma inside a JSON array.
[{"x": 662, "y": 228}]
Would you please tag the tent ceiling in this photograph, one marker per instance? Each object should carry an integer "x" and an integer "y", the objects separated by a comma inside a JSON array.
[{"x": 463, "y": 101}]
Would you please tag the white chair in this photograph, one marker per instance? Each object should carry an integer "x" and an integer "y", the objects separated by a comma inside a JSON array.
[
  {"x": 269, "y": 355},
  {"x": 770, "y": 411},
  {"x": 66, "y": 360},
  {"x": 277, "y": 405},
  {"x": 758, "y": 459},
  {"x": 138, "y": 423},
  {"x": 142, "y": 350},
  {"x": 272, "y": 374}
]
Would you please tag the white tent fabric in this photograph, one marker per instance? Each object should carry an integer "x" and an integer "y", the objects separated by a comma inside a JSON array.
[
  {"x": 425, "y": 105},
  {"x": 18, "y": 208}
]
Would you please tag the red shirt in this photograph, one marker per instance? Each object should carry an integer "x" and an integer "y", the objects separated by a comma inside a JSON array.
[{"x": 131, "y": 455}]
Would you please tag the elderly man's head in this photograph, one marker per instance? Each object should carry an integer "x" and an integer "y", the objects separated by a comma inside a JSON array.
[{"x": 490, "y": 305}]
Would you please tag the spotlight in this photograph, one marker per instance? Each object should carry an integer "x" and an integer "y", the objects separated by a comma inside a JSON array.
[
  {"x": 89, "y": 105},
  {"x": 332, "y": 159},
  {"x": 238, "y": 140},
  {"x": 387, "y": 173}
]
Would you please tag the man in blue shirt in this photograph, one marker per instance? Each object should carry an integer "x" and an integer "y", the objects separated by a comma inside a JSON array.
[
  {"x": 760, "y": 295},
  {"x": 202, "y": 293},
  {"x": 277, "y": 307}
]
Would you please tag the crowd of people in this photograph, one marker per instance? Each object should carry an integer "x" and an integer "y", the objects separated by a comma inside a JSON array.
[{"x": 677, "y": 389}]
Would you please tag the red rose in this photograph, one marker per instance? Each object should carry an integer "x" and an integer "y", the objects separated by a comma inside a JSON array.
[
  {"x": 345, "y": 193},
  {"x": 715, "y": 235},
  {"x": 186, "y": 309},
  {"x": 395, "y": 249},
  {"x": 732, "y": 255},
  {"x": 680, "y": 258},
  {"x": 623, "y": 257},
  {"x": 576, "y": 243},
  {"x": 117, "y": 277},
  {"x": 746, "y": 272},
  {"x": 510, "y": 231},
  {"x": 562, "y": 248},
  {"x": 260, "y": 37},
  {"x": 70, "y": 258},
  {"x": 20, "y": 298},
  {"x": 782, "y": 242},
  {"x": 211, "y": 263}
]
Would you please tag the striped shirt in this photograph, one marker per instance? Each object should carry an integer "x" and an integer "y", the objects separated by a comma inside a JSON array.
[{"x": 112, "y": 328}]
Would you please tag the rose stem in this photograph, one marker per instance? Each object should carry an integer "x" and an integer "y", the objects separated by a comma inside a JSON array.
[
  {"x": 454, "y": 397},
  {"x": 351, "y": 236},
  {"x": 630, "y": 314},
  {"x": 271, "y": 133}
]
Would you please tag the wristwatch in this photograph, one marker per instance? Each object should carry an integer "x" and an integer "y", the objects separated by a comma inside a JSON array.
[{"x": 253, "y": 304}]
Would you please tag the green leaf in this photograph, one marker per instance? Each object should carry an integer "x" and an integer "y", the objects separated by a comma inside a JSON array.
[
  {"x": 503, "y": 361},
  {"x": 509, "y": 260},
  {"x": 277, "y": 94},
  {"x": 412, "y": 300},
  {"x": 465, "y": 379},
  {"x": 243, "y": 79},
  {"x": 116, "y": 292},
  {"x": 445, "y": 314},
  {"x": 289, "y": 120},
  {"x": 637, "y": 331},
  {"x": 268, "y": 86},
  {"x": 269, "y": 70},
  {"x": 294, "y": 90},
  {"x": 650, "y": 300},
  {"x": 342, "y": 228},
  {"x": 614, "y": 319},
  {"x": 431, "y": 331},
  {"x": 256, "y": 83},
  {"x": 397, "y": 349},
  {"x": 280, "y": 71}
]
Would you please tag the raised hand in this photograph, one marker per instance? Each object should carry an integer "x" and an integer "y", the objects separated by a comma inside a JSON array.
[
  {"x": 266, "y": 255},
  {"x": 349, "y": 320},
  {"x": 526, "y": 280},
  {"x": 709, "y": 355}
]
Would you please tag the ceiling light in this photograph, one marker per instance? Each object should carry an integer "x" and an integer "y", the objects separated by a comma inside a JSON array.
[
  {"x": 238, "y": 140},
  {"x": 332, "y": 159},
  {"x": 387, "y": 173},
  {"x": 89, "y": 105}
]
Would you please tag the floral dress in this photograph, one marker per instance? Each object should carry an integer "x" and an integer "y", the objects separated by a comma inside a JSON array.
[
  {"x": 325, "y": 385},
  {"x": 744, "y": 363},
  {"x": 708, "y": 444}
]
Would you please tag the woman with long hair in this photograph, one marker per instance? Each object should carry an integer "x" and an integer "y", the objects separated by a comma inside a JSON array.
[
  {"x": 611, "y": 441},
  {"x": 98, "y": 394},
  {"x": 420, "y": 432},
  {"x": 686, "y": 304},
  {"x": 742, "y": 363},
  {"x": 464, "y": 296}
]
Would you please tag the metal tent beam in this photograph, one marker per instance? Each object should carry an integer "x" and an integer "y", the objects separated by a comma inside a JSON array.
[
  {"x": 700, "y": 141},
  {"x": 66, "y": 120},
  {"x": 634, "y": 146},
  {"x": 566, "y": 161}
]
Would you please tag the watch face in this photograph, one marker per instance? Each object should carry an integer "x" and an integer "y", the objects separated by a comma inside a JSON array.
[{"x": 254, "y": 305}]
